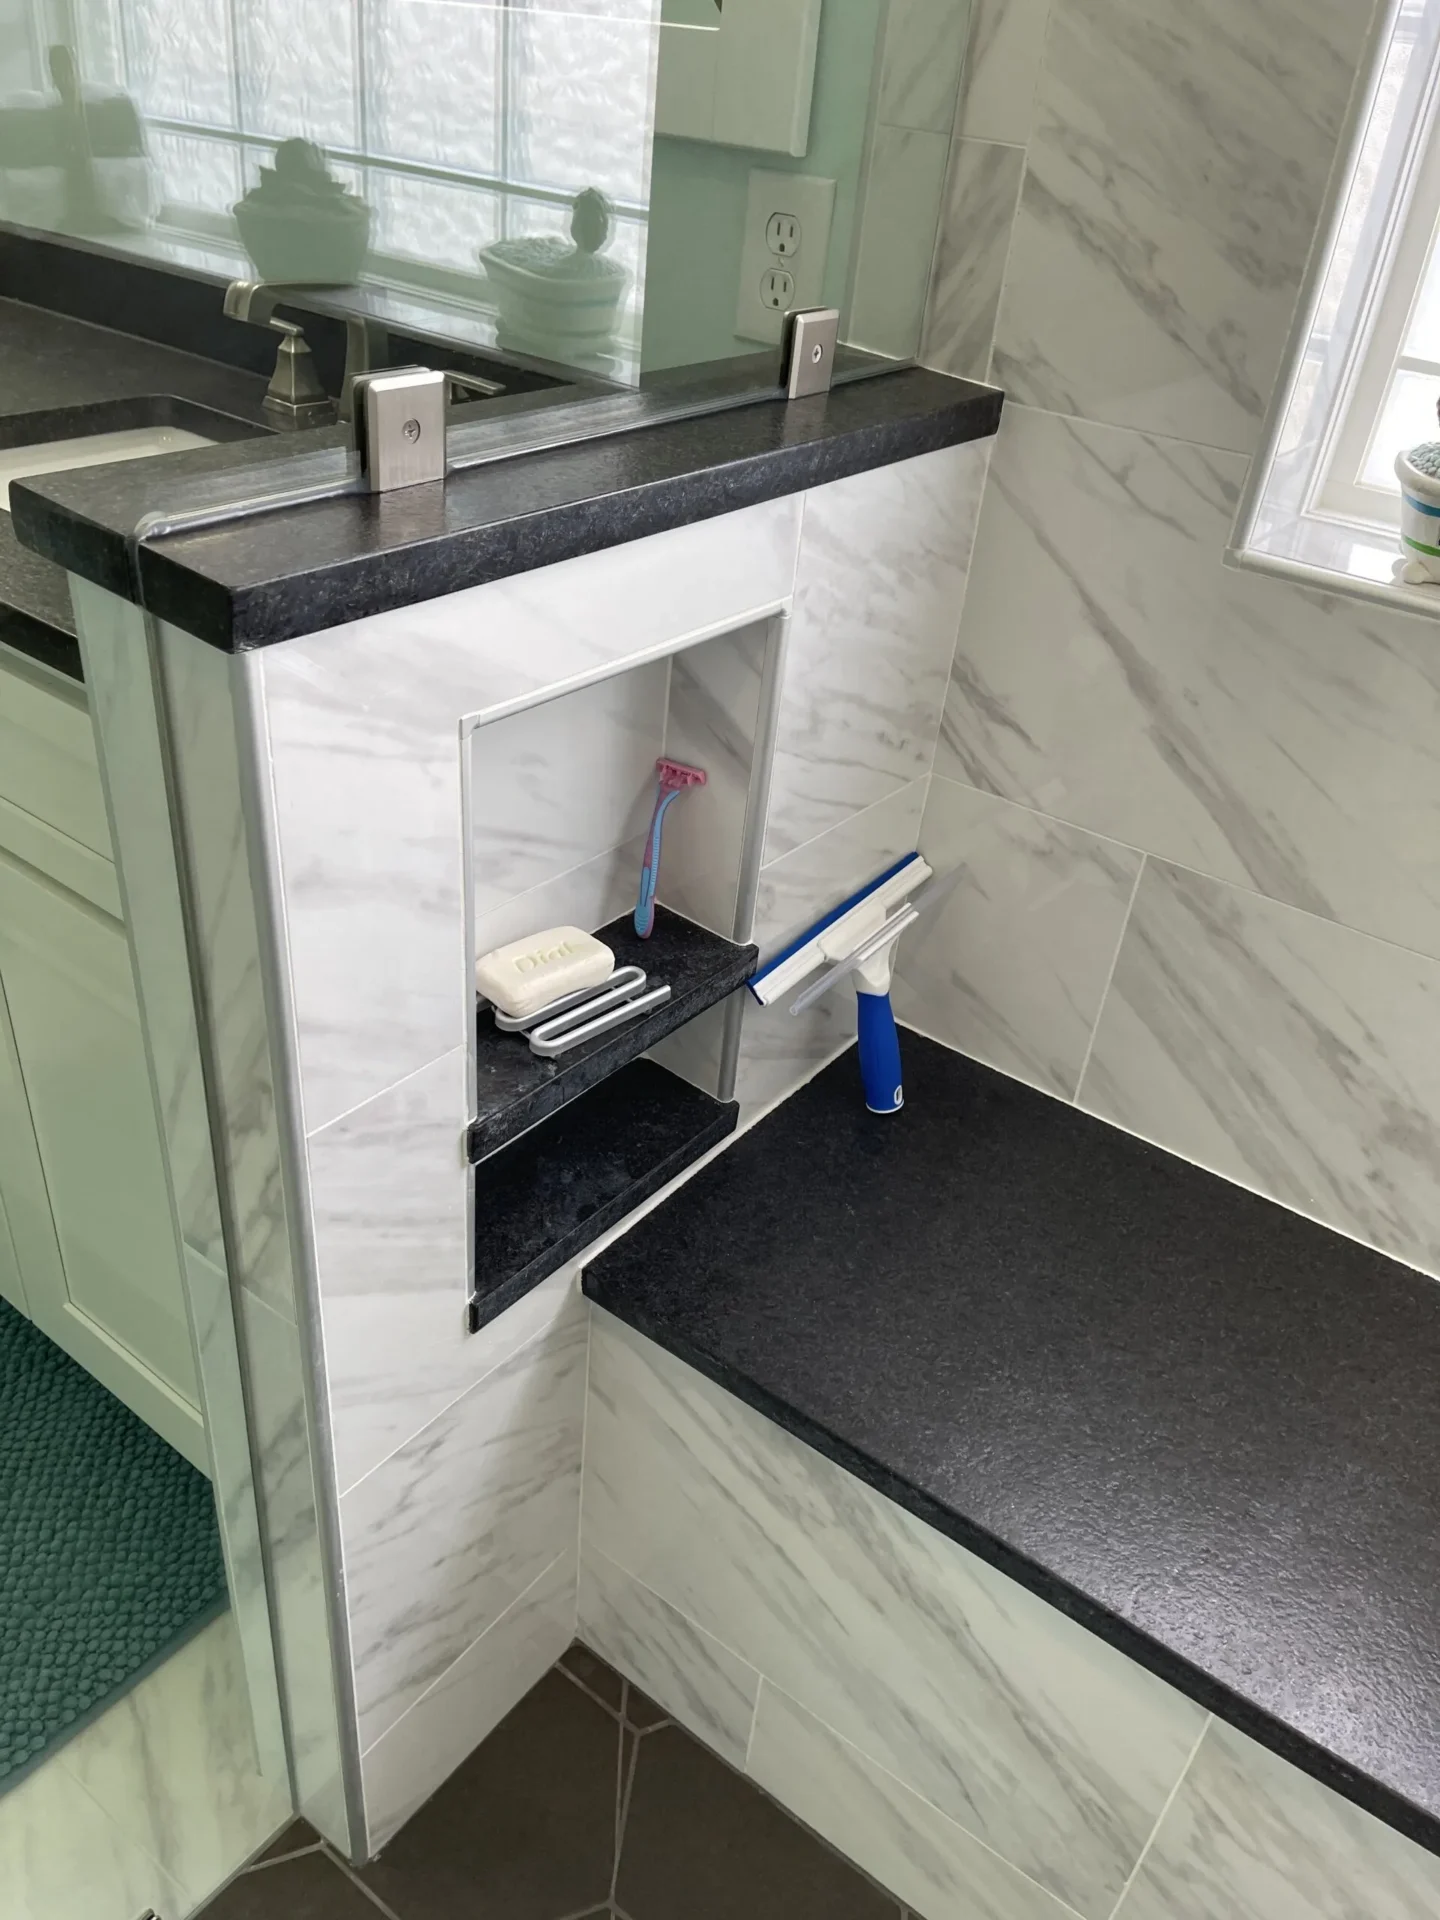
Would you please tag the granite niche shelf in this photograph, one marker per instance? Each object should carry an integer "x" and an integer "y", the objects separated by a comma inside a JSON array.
[
  {"x": 516, "y": 1088},
  {"x": 547, "y": 1196}
]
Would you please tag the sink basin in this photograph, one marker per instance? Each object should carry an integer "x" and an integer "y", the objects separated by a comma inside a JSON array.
[
  {"x": 101, "y": 433},
  {"x": 91, "y": 450}
]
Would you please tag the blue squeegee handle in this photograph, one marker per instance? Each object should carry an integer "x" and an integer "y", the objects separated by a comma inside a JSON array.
[
  {"x": 650, "y": 868},
  {"x": 879, "y": 1053}
]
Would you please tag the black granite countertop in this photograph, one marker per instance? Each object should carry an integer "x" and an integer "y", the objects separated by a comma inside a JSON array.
[
  {"x": 49, "y": 362},
  {"x": 1203, "y": 1426},
  {"x": 267, "y": 578}
]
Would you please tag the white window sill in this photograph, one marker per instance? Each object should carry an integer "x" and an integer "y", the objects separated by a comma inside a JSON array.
[{"x": 1331, "y": 556}]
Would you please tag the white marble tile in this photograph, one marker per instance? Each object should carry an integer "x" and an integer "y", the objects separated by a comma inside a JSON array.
[
  {"x": 281, "y": 1443},
  {"x": 1037, "y": 1738},
  {"x": 362, "y": 722},
  {"x": 977, "y": 217},
  {"x": 1251, "y": 1837},
  {"x": 227, "y": 1432},
  {"x": 881, "y": 580},
  {"x": 712, "y": 720},
  {"x": 556, "y": 785},
  {"x": 199, "y": 685},
  {"x": 589, "y": 896},
  {"x": 388, "y": 1210},
  {"x": 1012, "y": 968},
  {"x": 897, "y": 240},
  {"x": 779, "y": 1052},
  {"x": 910, "y": 1847},
  {"x": 174, "y": 1764},
  {"x": 1176, "y": 171},
  {"x": 697, "y": 1680},
  {"x": 997, "y": 89},
  {"x": 924, "y": 46},
  {"x": 443, "y": 1536},
  {"x": 1113, "y": 673},
  {"x": 62, "y": 1858},
  {"x": 468, "y": 1701},
  {"x": 1282, "y": 1051}
]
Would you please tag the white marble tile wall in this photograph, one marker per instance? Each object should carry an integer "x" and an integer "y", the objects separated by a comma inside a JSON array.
[
  {"x": 1271, "y": 750},
  {"x": 472, "y": 1696},
  {"x": 1251, "y": 1837},
  {"x": 443, "y": 1536},
  {"x": 878, "y": 591},
  {"x": 559, "y": 785},
  {"x": 914, "y": 111},
  {"x": 930, "y": 1706},
  {"x": 365, "y": 744},
  {"x": 1013, "y": 967}
]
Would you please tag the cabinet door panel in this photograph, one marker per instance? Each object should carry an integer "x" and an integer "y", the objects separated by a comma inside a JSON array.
[{"x": 66, "y": 977}]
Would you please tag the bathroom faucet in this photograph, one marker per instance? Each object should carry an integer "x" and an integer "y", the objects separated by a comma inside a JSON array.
[{"x": 294, "y": 397}]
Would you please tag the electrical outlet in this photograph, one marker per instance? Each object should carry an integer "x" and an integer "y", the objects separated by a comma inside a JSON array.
[
  {"x": 786, "y": 244},
  {"x": 782, "y": 235},
  {"x": 777, "y": 290}
]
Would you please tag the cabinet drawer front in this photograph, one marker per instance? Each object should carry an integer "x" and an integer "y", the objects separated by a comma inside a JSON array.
[{"x": 47, "y": 759}]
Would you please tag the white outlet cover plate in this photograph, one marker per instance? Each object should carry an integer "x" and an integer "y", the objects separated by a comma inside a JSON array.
[{"x": 811, "y": 201}]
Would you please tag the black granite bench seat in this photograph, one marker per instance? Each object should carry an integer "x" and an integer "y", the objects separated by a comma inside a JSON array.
[{"x": 1205, "y": 1427}]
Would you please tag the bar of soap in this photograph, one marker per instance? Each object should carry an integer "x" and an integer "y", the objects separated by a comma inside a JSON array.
[{"x": 529, "y": 974}]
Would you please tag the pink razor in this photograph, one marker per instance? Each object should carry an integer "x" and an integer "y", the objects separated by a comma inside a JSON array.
[{"x": 675, "y": 777}]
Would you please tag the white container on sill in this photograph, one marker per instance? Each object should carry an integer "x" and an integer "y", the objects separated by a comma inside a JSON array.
[{"x": 1419, "y": 518}]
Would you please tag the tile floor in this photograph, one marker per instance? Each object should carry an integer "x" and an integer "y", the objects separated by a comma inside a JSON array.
[
  {"x": 585, "y": 1804},
  {"x": 152, "y": 1805}
]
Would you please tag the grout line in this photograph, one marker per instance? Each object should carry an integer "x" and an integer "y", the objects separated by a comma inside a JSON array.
[
  {"x": 371, "y": 1098},
  {"x": 469, "y": 1648},
  {"x": 283, "y": 1859},
  {"x": 589, "y": 1313},
  {"x": 541, "y": 1333},
  {"x": 1170, "y": 1798},
  {"x": 754, "y": 1722},
  {"x": 356, "y": 1881},
  {"x": 1109, "y": 980},
  {"x": 626, "y": 1791},
  {"x": 588, "y": 1692},
  {"x": 1055, "y": 819},
  {"x": 1142, "y": 433}
]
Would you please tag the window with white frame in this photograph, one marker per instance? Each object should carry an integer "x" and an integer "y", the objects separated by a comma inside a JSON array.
[
  {"x": 1362, "y": 380},
  {"x": 460, "y": 122}
]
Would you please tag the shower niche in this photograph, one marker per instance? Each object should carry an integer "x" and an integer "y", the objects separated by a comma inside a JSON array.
[{"x": 558, "y": 802}]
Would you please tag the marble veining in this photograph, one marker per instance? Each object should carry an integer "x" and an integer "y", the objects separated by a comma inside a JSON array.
[
  {"x": 1289, "y": 1054},
  {"x": 281, "y": 1441},
  {"x": 696, "y": 1678},
  {"x": 1176, "y": 171},
  {"x": 388, "y": 1212},
  {"x": 558, "y": 785},
  {"x": 897, "y": 239},
  {"x": 587, "y": 896},
  {"x": 1113, "y": 673},
  {"x": 880, "y": 582},
  {"x": 173, "y": 1764},
  {"x": 711, "y": 723},
  {"x": 1253, "y": 1838},
  {"x": 63, "y": 1858},
  {"x": 924, "y": 45},
  {"x": 448, "y": 1532},
  {"x": 910, "y": 1847},
  {"x": 997, "y": 88},
  {"x": 469, "y": 1700},
  {"x": 976, "y": 219},
  {"x": 1013, "y": 967},
  {"x": 1042, "y": 1742},
  {"x": 778, "y": 1052}
]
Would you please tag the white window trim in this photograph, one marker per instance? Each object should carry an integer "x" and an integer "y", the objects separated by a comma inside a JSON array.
[{"x": 1300, "y": 517}]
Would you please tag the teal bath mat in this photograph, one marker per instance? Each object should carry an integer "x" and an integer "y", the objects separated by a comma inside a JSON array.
[{"x": 109, "y": 1552}]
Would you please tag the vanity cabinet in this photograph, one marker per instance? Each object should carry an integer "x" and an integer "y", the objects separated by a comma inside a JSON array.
[{"x": 87, "y": 1248}]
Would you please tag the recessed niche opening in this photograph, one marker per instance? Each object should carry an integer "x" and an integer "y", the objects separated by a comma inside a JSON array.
[{"x": 559, "y": 797}]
